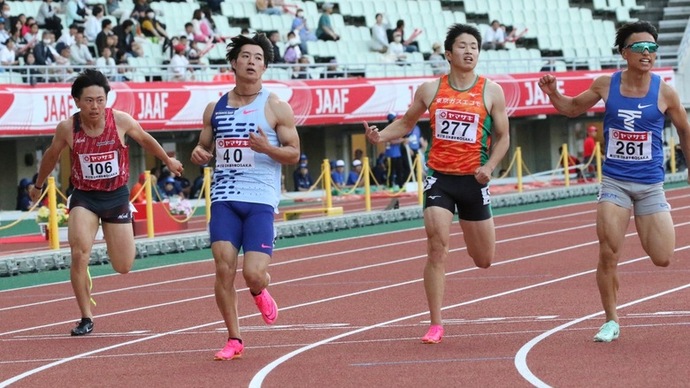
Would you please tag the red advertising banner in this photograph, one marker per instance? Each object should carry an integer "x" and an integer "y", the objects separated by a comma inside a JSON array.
[{"x": 162, "y": 106}]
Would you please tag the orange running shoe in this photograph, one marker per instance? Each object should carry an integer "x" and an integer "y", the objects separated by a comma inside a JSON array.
[{"x": 434, "y": 335}]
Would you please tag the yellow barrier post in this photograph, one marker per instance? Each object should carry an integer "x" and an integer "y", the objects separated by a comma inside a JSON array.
[
  {"x": 672, "y": 144},
  {"x": 207, "y": 192},
  {"x": 420, "y": 171},
  {"x": 149, "y": 205},
  {"x": 597, "y": 152},
  {"x": 367, "y": 184},
  {"x": 327, "y": 183},
  {"x": 52, "y": 218},
  {"x": 518, "y": 155},
  {"x": 566, "y": 162}
]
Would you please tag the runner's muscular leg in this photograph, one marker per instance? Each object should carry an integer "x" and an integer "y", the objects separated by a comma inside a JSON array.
[
  {"x": 225, "y": 258},
  {"x": 81, "y": 223},
  {"x": 480, "y": 239},
  {"x": 658, "y": 237},
  {"x": 437, "y": 222},
  {"x": 612, "y": 223},
  {"x": 254, "y": 270},
  {"x": 119, "y": 240}
]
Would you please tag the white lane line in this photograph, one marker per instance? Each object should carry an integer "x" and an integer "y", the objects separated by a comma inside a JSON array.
[{"x": 521, "y": 356}]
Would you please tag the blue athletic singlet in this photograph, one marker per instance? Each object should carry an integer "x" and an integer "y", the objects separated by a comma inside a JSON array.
[
  {"x": 633, "y": 129},
  {"x": 240, "y": 173}
]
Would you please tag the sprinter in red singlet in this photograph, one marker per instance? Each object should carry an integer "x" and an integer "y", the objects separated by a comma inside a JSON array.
[
  {"x": 96, "y": 136},
  {"x": 469, "y": 126}
]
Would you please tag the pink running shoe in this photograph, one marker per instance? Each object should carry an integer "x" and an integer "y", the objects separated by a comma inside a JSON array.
[
  {"x": 233, "y": 349},
  {"x": 267, "y": 306},
  {"x": 434, "y": 335}
]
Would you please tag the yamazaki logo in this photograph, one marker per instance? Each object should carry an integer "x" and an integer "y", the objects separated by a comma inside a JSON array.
[
  {"x": 98, "y": 158},
  {"x": 457, "y": 116},
  {"x": 631, "y": 136},
  {"x": 228, "y": 143}
]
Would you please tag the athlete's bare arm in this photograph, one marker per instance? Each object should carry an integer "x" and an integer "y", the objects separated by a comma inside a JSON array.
[
  {"x": 61, "y": 140},
  {"x": 127, "y": 126},
  {"x": 402, "y": 126},
  {"x": 575, "y": 106},
  {"x": 676, "y": 112},
  {"x": 280, "y": 115},
  {"x": 500, "y": 138},
  {"x": 203, "y": 152}
]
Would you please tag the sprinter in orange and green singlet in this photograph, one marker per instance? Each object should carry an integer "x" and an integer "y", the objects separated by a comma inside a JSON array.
[{"x": 469, "y": 126}]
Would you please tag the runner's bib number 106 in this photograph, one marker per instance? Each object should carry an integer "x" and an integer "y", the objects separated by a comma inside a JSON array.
[{"x": 103, "y": 165}]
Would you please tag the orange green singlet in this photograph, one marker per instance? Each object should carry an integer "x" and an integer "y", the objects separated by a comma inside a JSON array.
[{"x": 460, "y": 129}]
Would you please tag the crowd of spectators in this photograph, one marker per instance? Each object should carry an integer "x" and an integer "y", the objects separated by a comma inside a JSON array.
[{"x": 107, "y": 35}]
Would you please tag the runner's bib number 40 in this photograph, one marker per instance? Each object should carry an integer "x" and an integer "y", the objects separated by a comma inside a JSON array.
[{"x": 234, "y": 153}]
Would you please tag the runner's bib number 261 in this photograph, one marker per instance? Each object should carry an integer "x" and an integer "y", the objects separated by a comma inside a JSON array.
[
  {"x": 456, "y": 126},
  {"x": 234, "y": 153},
  {"x": 103, "y": 165},
  {"x": 631, "y": 146}
]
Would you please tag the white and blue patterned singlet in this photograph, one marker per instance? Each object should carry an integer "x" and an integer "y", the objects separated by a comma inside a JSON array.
[{"x": 240, "y": 173}]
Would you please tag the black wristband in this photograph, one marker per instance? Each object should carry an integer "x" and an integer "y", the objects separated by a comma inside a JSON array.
[{"x": 38, "y": 187}]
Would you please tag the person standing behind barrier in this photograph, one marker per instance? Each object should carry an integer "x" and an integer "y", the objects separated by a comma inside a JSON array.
[
  {"x": 354, "y": 174},
  {"x": 460, "y": 162},
  {"x": 637, "y": 102},
  {"x": 393, "y": 153},
  {"x": 303, "y": 180},
  {"x": 249, "y": 152},
  {"x": 588, "y": 150},
  {"x": 96, "y": 136}
]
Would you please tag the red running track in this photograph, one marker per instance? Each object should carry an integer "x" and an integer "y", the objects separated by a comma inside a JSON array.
[{"x": 352, "y": 314}]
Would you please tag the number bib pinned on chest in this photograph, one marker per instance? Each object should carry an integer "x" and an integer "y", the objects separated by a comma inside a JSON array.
[
  {"x": 234, "y": 154},
  {"x": 103, "y": 165},
  {"x": 629, "y": 146},
  {"x": 456, "y": 126}
]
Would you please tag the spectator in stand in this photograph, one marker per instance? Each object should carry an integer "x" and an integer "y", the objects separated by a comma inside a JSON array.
[
  {"x": 113, "y": 8},
  {"x": 152, "y": 28},
  {"x": 332, "y": 70},
  {"x": 179, "y": 65},
  {"x": 21, "y": 47},
  {"x": 69, "y": 39},
  {"x": 47, "y": 17},
  {"x": 75, "y": 12},
  {"x": 106, "y": 65},
  {"x": 42, "y": 52},
  {"x": 338, "y": 174},
  {"x": 354, "y": 174},
  {"x": 125, "y": 39},
  {"x": 209, "y": 26},
  {"x": 4, "y": 32},
  {"x": 80, "y": 54},
  {"x": 302, "y": 71},
  {"x": 269, "y": 7},
  {"x": 379, "y": 36},
  {"x": 32, "y": 76},
  {"x": 6, "y": 14},
  {"x": 27, "y": 25},
  {"x": 299, "y": 24},
  {"x": 437, "y": 60},
  {"x": 102, "y": 37},
  {"x": 494, "y": 37},
  {"x": 274, "y": 38},
  {"x": 63, "y": 71},
  {"x": 189, "y": 31},
  {"x": 201, "y": 33},
  {"x": 8, "y": 57},
  {"x": 325, "y": 31},
  {"x": 293, "y": 52},
  {"x": 303, "y": 180},
  {"x": 396, "y": 50},
  {"x": 410, "y": 43},
  {"x": 94, "y": 23}
]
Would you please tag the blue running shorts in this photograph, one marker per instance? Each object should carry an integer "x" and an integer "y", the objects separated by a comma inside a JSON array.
[{"x": 247, "y": 226}]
